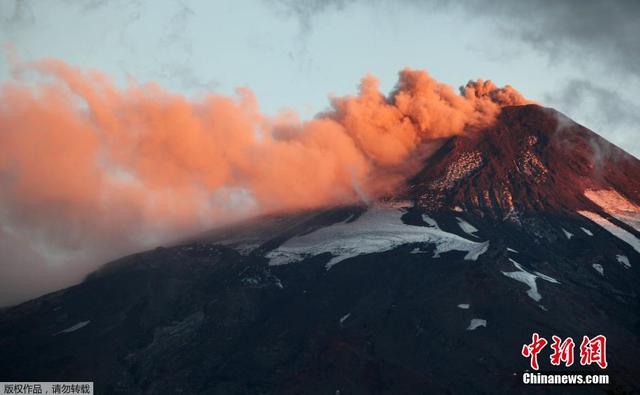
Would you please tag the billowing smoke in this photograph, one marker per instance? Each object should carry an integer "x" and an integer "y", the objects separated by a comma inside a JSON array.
[{"x": 89, "y": 171}]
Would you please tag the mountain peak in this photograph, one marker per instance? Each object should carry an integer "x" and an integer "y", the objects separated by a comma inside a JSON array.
[{"x": 532, "y": 159}]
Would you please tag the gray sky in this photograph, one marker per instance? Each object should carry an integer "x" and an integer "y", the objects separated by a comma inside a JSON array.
[{"x": 581, "y": 57}]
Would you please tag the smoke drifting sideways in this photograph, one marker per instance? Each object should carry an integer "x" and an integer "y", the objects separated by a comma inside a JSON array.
[{"x": 90, "y": 171}]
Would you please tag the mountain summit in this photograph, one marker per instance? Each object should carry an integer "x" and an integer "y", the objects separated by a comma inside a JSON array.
[
  {"x": 529, "y": 225},
  {"x": 533, "y": 159}
]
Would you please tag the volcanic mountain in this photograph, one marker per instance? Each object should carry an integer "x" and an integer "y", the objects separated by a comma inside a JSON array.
[{"x": 530, "y": 225}]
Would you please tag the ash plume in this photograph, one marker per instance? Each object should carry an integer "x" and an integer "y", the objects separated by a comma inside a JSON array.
[{"x": 90, "y": 170}]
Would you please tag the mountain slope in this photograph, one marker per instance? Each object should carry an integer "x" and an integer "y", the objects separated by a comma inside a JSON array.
[
  {"x": 532, "y": 159},
  {"x": 531, "y": 225}
]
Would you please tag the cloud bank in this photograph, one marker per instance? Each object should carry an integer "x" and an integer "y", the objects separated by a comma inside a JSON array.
[{"x": 604, "y": 32}]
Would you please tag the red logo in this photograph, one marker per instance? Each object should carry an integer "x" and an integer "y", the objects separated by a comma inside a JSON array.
[
  {"x": 532, "y": 350},
  {"x": 592, "y": 350},
  {"x": 562, "y": 351}
]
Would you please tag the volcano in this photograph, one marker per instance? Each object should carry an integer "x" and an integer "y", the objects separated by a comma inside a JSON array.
[{"x": 529, "y": 225}]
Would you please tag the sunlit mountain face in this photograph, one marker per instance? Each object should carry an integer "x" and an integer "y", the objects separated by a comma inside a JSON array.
[{"x": 529, "y": 224}]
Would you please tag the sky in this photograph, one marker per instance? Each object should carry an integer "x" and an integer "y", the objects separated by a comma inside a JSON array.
[{"x": 580, "y": 57}]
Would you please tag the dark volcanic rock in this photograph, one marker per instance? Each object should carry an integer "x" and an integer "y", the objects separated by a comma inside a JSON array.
[
  {"x": 213, "y": 316},
  {"x": 532, "y": 159}
]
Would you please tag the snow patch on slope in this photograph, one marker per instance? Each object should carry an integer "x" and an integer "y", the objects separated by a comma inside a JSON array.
[
  {"x": 463, "y": 166},
  {"x": 587, "y": 231},
  {"x": 467, "y": 227},
  {"x": 73, "y": 328},
  {"x": 613, "y": 229},
  {"x": 598, "y": 268},
  {"x": 474, "y": 251},
  {"x": 531, "y": 165},
  {"x": 476, "y": 323},
  {"x": 376, "y": 230},
  {"x": 616, "y": 205},
  {"x": 430, "y": 221},
  {"x": 529, "y": 279},
  {"x": 624, "y": 261}
]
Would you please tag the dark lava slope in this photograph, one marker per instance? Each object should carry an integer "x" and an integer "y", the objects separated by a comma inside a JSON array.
[
  {"x": 531, "y": 159},
  {"x": 213, "y": 316}
]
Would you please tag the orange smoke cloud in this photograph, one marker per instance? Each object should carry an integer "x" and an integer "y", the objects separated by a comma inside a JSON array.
[{"x": 88, "y": 166}]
